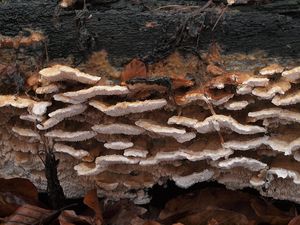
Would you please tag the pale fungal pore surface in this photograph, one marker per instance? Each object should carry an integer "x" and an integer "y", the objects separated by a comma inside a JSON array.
[
  {"x": 76, "y": 153},
  {"x": 117, "y": 128},
  {"x": 278, "y": 113},
  {"x": 124, "y": 108},
  {"x": 292, "y": 75},
  {"x": 60, "y": 135},
  {"x": 83, "y": 95},
  {"x": 271, "y": 70},
  {"x": 179, "y": 134},
  {"x": 274, "y": 143},
  {"x": 124, "y": 145},
  {"x": 189, "y": 180},
  {"x": 236, "y": 105},
  {"x": 60, "y": 73},
  {"x": 216, "y": 123},
  {"x": 118, "y": 145},
  {"x": 288, "y": 99},
  {"x": 248, "y": 163}
]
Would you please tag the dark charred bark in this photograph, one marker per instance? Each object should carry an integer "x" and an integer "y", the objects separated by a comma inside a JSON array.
[{"x": 120, "y": 28}]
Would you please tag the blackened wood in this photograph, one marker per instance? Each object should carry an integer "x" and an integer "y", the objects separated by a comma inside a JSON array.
[{"x": 120, "y": 27}]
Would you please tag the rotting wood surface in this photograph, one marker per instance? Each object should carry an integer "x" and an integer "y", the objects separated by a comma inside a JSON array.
[{"x": 122, "y": 27}]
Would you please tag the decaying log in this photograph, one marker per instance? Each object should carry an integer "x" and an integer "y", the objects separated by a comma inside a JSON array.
[
  {"x": 115, "y": 26},
  {"x": 212, "y": 104}
]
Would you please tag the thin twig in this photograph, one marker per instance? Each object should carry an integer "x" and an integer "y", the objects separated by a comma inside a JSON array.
[
  {"x": 221, "y": 15},
  {"x": 181, "y": 7},
  {"x": 46, "y": 52},
  {"x": 212, "y": 111}
]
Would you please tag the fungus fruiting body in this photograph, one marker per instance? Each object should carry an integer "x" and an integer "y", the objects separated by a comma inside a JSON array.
[{"x": 238, "y": 128}]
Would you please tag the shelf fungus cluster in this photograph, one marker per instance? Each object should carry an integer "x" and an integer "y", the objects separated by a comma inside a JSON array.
[{"x": 240, "y": 129}]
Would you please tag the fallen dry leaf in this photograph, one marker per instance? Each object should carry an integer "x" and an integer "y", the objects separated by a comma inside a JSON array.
[
  {"x": 268, "y": 213},
  {"x": 135, "y": 68},
  {"x": 91, "y": 200},
  {"x": 123, "y": 213},
  {"x": 14, "y": 193},
  {"x": 295, "y": 221},
  {"x": 216, "y": 217},
  {"x": 28, "y": 214},
  {"x": 69, "y": 217},
  {"x": 151, "y": 223},
  {"x": 240, "y": 207}
]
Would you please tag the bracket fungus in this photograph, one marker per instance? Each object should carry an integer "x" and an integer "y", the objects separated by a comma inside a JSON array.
[
  {"x": 84, "y": 94},
  {"x": 179, "y": 134},
  {"x": 15, "y": 101},
  {"x": 26, "y": 132},
  {"x": 288, "y": 99},
  {"x": 226, "y": 129},
  {"x": 61, "y": 135},
  {"x": 189, "y": 180},
  {"x": 250, "y": 164},
  {"x": 282, "y": 114},
  {"x": 61, "y": 73},
  {"x": 285, "y": 173},
  {"x": 236, "y": 105},
  {"x": 216, "y": 123},
  {"x": 76, "y": 153},
  {"x": 292, "y": 75},
  {"x": 279, "y": 87},
  {"x": 68, "y": 111},
  {"x": 271, "y": 70},
  {"x": 48, "y": 89},
  {"x": 124, "y": 108},
  {"x": 117, "y": 128},
  {"x": 136, "y": 152},
  {"x": 118, "y": 145}
]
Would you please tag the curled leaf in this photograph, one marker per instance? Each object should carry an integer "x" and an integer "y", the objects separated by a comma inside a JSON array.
[
  {"x": 295, "y": 221},
  {"x": 91, "y": 200},
  {"x": 14, "y": 193},
  {"x": 69, "y": 217},
  {"x": 28, "y": 214}
]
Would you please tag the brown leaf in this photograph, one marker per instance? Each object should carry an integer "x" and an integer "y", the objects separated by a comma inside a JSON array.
[
  {"x": 295, "y": 221},
  {"x": 215, "y": 217},
  {"x": 91, "y": 200},
  {"x": 122, "y": 213},
  {"x": 14, "y": 193},
  {"x": 69, "y": 217},
  {"x": 268, "y": 213},
  {"x": 213, "y": 222},
  {"x": 135, "y": 68},
  {"x": 28, "y": 214},
  {"x": 236, "y": 204},
  {"x": 151, "y": 222}
]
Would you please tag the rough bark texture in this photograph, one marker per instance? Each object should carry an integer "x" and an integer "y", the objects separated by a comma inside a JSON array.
[
  {"x": 251, "y": 37},
  {"x": 120, "y": 29}
]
